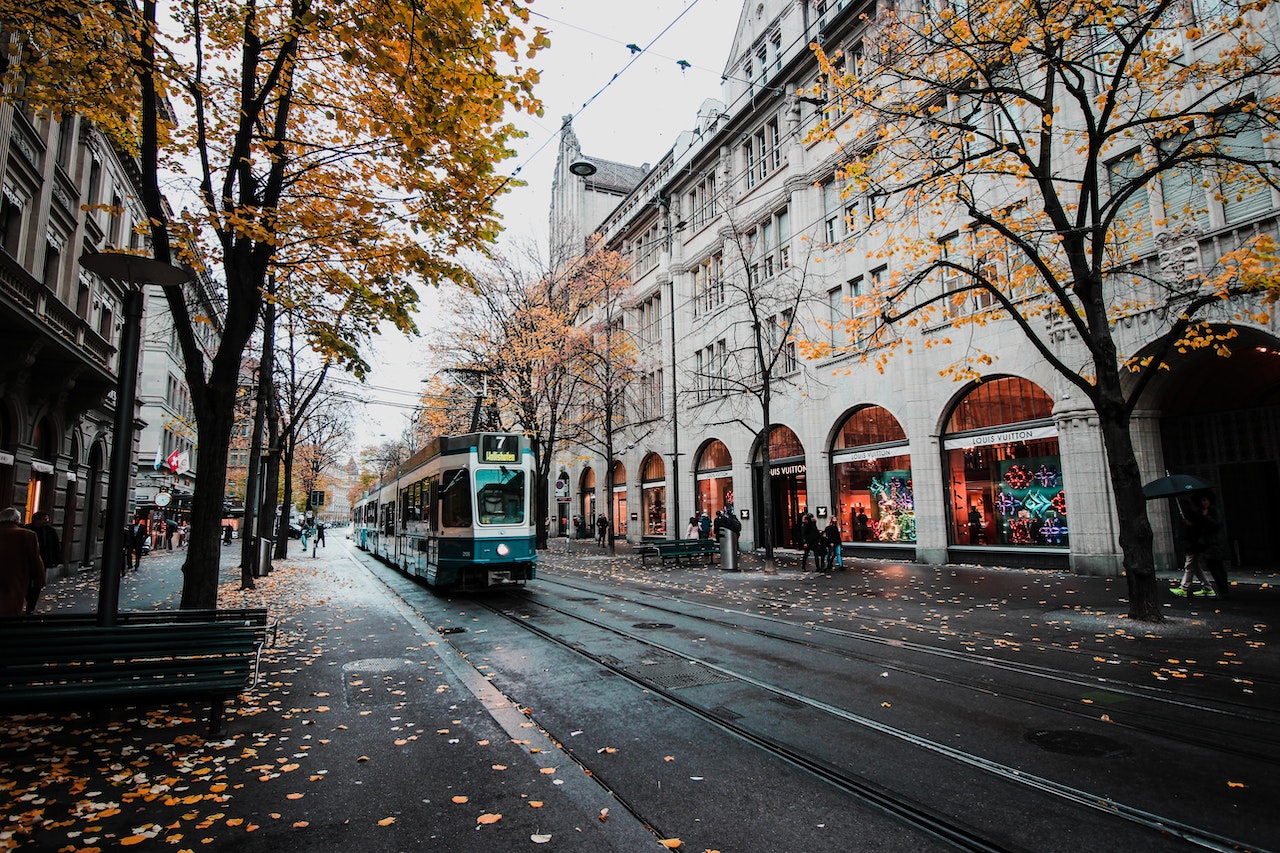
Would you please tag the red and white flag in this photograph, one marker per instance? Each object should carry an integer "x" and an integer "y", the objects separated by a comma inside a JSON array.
[{"x": 172, "y": 461}]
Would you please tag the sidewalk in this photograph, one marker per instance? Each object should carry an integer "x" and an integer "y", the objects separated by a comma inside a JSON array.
[{"x": 364, "y": 734}]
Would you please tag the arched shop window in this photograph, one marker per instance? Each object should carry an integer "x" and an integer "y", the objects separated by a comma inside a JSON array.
[
  {"x": 619, "y": 499},
  {"x": 1004, "y": 472},
  {"x": 714, "y": 472},
  {"x": 653, "y": 495},
  {"x": 871, "y": 472},
  {"x": 40, "y": 486}
]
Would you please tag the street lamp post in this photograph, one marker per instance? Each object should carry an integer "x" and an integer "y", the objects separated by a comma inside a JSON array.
[{"x": 132, "y": 271}]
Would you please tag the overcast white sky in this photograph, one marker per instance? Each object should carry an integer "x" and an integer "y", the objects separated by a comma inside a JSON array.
[{"x": 635, "y": 119}]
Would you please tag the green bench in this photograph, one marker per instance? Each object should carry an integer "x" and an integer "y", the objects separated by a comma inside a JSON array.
[
  {"x": 703, "y": 550},
  {"x": 58, "y": 661}
]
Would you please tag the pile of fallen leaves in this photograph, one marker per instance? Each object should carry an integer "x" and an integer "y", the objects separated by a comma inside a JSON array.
[{"x": 76, "y": 782}]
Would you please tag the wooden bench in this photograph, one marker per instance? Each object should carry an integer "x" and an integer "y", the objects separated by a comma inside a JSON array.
[
  {"x": 704, "y": 550},
  {"x": 57, "y": 661}
]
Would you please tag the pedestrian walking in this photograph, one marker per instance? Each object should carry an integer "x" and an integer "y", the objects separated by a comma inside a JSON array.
[
  {"x": 704, "y": 525},
  {"x": 1199, "y": 535},
  {"x": 184, "y": 531},
  {"x": 21, "y": 569},
  {"x": 320, "y": 534},
  {"x": 170, "y": 533},
  {"x": 135, "y": 541},
  {"x": 602, "y": 528},
  {"x": 831, "y": 536},
  {"x": 812, "y": 538},
  {"x": 50, "y": 552},
  {"x": 693, "y": 531}
]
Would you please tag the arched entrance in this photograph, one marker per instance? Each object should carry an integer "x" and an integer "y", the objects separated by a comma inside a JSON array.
[
  {"x": 714, "y": 472},
  {"x": 8, "y": 449},
  {"x": 93, "y": 499},
  {"x": 787, "y": 484},
  {"x": 1004, "y": 474},
  {"x": 587, "y": 503},
  {"x": 619, "y": 499},
  {"x": 871, "y": 478},
  {"x": 1220, "y": 421}
]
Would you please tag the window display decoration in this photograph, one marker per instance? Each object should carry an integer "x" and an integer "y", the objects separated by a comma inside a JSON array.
[
  {"x": 1031, "y": 506},
  {"x": 893, "y": 494}
]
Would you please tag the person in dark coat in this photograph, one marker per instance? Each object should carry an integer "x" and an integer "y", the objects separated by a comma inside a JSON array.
[
  {"x": 704, "y": 525},
  {"x": 21, "y": 568},
  {"x": 602, "y": 528},
  {"x": 1200, "y": 542},
  {"x": 50, "y": 552},
  {"x": 812, "y": 538},
  {"x": 135, "y": 540}
]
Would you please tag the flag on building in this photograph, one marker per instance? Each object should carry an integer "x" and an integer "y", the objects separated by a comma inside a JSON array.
[
  {"x": 172, "y": 461},
  {"x": 159, "y": 462},
  {"x": 184, "y": 462}
]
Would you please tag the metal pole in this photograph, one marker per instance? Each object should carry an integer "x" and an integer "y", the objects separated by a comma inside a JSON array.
[{"x": 121, "y": 460}]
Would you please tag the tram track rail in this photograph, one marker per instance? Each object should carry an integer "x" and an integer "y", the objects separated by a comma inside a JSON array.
[
  {"x": 1146, "y": 721},
  {"x": 917, "y": 815}
]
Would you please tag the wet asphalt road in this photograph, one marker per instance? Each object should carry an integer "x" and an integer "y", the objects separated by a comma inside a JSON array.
[{"x": 698, "y": 705}]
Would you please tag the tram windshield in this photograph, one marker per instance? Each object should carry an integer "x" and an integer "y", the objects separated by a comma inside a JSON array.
[{"x": 500, "y": 495}]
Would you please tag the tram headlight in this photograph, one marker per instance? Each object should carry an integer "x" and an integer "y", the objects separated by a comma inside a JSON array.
[{"x": 503, "y": 550}]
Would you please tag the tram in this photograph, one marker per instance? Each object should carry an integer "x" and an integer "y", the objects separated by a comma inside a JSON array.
[{"x": 457, "y": 514}]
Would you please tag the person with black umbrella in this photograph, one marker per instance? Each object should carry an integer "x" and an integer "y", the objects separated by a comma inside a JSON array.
[{"x": 1200, "y": 540}]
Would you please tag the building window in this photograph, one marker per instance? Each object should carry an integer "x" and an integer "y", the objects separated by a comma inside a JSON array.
[
  {"x": 835, "y": 311},
  {"x": 708, "y": 285},
  {"x": 10, "y": 225},
  {"x": 714, "y": 472},
  {"x": 1004, "y": 471},
  {"x": 871, "y": 474}
]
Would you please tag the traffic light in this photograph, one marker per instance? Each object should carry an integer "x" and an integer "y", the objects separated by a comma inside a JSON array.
[{"x": 317, "y": 497}]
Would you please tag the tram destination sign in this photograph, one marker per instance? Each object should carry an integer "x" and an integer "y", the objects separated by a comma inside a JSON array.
[{"x": 498, "y": 448}]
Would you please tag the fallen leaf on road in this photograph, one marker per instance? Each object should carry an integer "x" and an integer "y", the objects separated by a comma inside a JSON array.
[
  {"x": 604, "y": 814},
  {"x": 461, "y": 800},
  {"x": 671, "y": 843},
  {"x": 386, "y": 821},
  {"x": 1235, "y": 784},
  {"x": 489, "y": 818},
  {"x": 535, "y": 804},
  {"x": 539, "y": 839},
  {"x": 293, "y": 797},
  {"x": 498, "y": 767},
  {"x": 547, "y": 771}
]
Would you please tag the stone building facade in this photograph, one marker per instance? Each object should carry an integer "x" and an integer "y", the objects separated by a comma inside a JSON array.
[{"x": 1009, "y": 471}]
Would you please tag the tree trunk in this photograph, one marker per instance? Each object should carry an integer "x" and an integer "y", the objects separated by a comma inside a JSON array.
[
  {"x": 204, "y": 554},
  {"x": 766, "y": 482},
  {"x": 271, "y": 479},
  {"x": 1131, "y": 515}
]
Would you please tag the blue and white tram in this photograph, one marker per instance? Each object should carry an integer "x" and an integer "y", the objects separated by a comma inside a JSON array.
[{"x": 458, "y": 514}]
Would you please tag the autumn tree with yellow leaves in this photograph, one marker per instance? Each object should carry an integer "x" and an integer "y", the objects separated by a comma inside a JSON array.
[
  {"x": 524, "y": 327},
  {"x": 1057, "y": 145},
  {"x": 354, "y": 141}
]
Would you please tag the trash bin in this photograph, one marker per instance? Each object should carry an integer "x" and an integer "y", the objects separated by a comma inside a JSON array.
[
  {"x": 729, "y": 551},
  {"x": 264, "y": 550}
]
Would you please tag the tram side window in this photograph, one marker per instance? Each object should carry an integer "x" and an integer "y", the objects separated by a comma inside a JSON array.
[
  {"x": 430, "y": 493},
  {"x": 455, "y": 499},
  {"x": 500, "y": 495}
]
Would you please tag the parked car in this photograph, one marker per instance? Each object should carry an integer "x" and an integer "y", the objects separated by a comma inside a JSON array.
[{"x": 295, "y": 532}]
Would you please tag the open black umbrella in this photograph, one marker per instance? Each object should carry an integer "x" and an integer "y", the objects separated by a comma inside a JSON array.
[{"x": 1173, "y": 486}]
